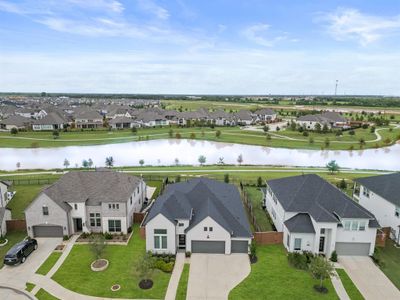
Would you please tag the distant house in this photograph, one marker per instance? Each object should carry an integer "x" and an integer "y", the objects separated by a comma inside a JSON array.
[
  {"x": 31, "y": 113},
  {"x": 52, "y": 121},
  {"x": 381, "y": 195},
  {"x": 86, "y": 201},
  {"x": 201, "y": 216},
  {"x": 244, "y": 117},
  {"x": 4, "y": 185},
  {"x": 123, "y": 123},
  {"x": 119, "y": 111},
  {"x": 17, "y": 122},
  {"x": 89, "y": 119},
  {"x": 222, "y": 118},
  {"x": 265, "y": 115},
  {"x": 316, "y": 216},
  {"x": 151, "y": 119},
  {"x": 330, "y": 119}
]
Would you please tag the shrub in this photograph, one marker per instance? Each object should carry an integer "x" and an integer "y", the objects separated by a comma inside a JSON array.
[
  {"x": 334, "y": 256},
  {"x": 14, "y": 131},
  {"x": 309, "y": 256},
  {"x": 305, "y": 133},
  {"x": 377, "y": 258},
  {"x": 108, "y": 236},
  {"x": 130, "y": 229},
  {"x": 253, "y": 249},
  {"x": 298, "y": 260},
  {"x": 164, "y": 266},
  {"x": 188, "y": 254},
  {"x": 259, "y": 182},
  {"x": 2, "y": 239},
  {"x": 84, "y": 235}
]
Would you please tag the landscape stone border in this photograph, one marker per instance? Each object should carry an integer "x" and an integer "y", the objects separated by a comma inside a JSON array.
[
  {"x": 5, "y": 243},
  {"x": 100, "y": 268},
  {"x": 115, "y": 287}
]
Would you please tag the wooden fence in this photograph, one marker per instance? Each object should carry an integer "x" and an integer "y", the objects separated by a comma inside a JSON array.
[
  {"x": 13, "y": 225},
  {"x": 142, "y": 233},
  {"x": 268, "y": 238},
  {"x": 138, "y": 218},
  {"x": 381, "y": 236},
  {"x": 249, "y": 207}
]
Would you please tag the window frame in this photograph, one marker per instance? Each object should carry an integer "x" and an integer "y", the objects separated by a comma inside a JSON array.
[
  {"x": 45, "y": 210},
  {"x": 114, "y": 227},
  {"x": 160, "y": 239},
  {"x": 294, "y": 245}
]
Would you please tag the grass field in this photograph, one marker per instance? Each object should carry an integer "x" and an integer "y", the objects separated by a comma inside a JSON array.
[
  {"x": 24, "y": 196},
  {"x": 273, "y": 278},
  {"x": 349, "y": 286},
  {"x": 183, "y": 283},
  {"x": 43, "y": 295},
  {"x": 391, "y": 259},
  {"x": 256, "y": 197},
  {"x": 282, "y": 139}
]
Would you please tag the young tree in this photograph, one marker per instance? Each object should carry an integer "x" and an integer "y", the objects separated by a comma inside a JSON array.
[
  {"x": 321, "y": 269},
  {"x": 192, "y": 136},
  {"x": 97, "y": 245},
  {"x": 90, "y": 163},
  {"x": 226, "y": 178},
  {"x": 259, "y": 182},
  {"x": 145, "y": 267},
  {"x": 240, "y": 159},
  {"x": 318, "y": 127},
  {"x": 176, "y": 161},
  {"x": 221, "y": 161},
  {"x": 332, "y": 166},
  {"x": 266, "y": 128},
  {"x": 171, "y": 133},
  {"x": 178, "y": 135},
  {"x": 85, "y": 163},
  {"x": 141, "y": 162},
  {"x": 56, "y": 134},
  {"x": 18, "y": 165},
  {"x": 109, "y": 162},
  {"x": 218, "y": 133},
  {"x": 66, "y": 163},
  {"x": 311, "y": 140},
  {"x": 202, "y": 160},
  {"x": 343, "y": 184},
  {"x": 134, "y": 130},
  {"x": 325, "y": 128},
  {"x": 14, "y": 131},
  {"x": 327, "y": 142}
]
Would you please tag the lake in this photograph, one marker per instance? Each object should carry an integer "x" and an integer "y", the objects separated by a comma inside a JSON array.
[{"x": 164, "y": 152}]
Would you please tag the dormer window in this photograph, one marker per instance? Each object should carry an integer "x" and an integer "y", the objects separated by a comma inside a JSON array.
[
  {"x": 45, "y": 211},
  {"x": 205, "y": 228}
]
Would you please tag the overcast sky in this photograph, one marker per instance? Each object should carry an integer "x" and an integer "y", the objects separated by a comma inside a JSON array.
[{"x": 200, "y": 47}]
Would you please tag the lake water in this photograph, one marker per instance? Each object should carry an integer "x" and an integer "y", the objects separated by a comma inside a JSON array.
[{"x": 164, "y": 152}]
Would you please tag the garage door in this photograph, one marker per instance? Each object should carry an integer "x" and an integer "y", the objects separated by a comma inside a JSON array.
[
  {"x": 208, "y": 247},
  {"x": 357, "y": 249},
  {"x": 239, "y": 247},
  {"x": 47, "y": 231}
]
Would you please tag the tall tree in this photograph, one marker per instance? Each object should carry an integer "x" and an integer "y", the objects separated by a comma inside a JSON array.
[
  {"x": 332, "y": 166},
  {"x": 202, "y": 160},
  {"x": 66, "y": 163},
  {"x": 240, "y": 159},
  {"x": 321, "y": 269},
  {"x": 109, "y": 162}
]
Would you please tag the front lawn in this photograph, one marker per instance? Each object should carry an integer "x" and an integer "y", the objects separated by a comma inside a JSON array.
[
  {"x": 183, "y": 283},
  {"x": 349, "y": 286},
  {"x": 273, "y": 278},
  {"x": 75, "y": 273},
  {"x": 24, "y": 196},
  {"x": 13, "y": 238},
  {"x": 49, "y": 263},
  {"x": 29, "y": 286},
  {"x": 391, "y": 259}
]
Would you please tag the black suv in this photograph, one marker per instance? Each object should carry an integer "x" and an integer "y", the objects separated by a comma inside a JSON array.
[{"x": 19, "y": 252}]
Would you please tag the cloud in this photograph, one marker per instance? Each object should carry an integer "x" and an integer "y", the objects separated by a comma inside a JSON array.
[
  {"x": 258, "y": 34},
  {"x": 153, "y": 8},
  {"x": 113, "y": 5},
  {"x": 350, "y": 24}
]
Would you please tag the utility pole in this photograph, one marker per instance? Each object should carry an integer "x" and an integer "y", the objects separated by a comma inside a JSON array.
[{"x": 337, "y": 81}]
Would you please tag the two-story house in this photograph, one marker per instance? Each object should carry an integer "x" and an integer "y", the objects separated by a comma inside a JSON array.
[
  {"x": 5, "y": 213},
  {"x": 201, "y": 215},
  {"x": 316, "y": 216},
  {"x": 381, "y": 195},
  {"x": 86, "y": 201}
]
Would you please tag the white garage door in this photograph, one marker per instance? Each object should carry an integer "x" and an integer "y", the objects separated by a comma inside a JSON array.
[{"x": 353, "y": 249}]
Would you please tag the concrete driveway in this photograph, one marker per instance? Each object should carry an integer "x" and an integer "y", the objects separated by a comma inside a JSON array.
[
  {"x": 368, "y": 278},
  {"x": 17, "y": 276},
  {"x": 212, "y": 276}
]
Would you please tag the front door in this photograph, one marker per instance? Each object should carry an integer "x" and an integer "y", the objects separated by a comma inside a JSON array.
[
  {"x": 321, "y": 244},
  {"x": 182, "y": 241},
  {"x": 78, "y": 225}
]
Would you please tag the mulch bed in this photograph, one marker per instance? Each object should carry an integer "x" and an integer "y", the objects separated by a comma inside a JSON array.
[
  {"x": 99, "y": 263},
  {"x": 319, "y": 289},
  {"x": 60, "y": 247},
  {"x": 253, "y": 259},
  {"x": 115, "y": 287},
  {"x": 146, "y": 284}
]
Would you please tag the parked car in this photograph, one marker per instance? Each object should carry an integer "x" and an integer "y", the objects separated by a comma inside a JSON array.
[{"x": 19, "y": 252}]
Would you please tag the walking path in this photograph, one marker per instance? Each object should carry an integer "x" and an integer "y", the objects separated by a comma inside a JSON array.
[
  {"x": 176, "y": 275},
  {"x": 339, "y": 288}
]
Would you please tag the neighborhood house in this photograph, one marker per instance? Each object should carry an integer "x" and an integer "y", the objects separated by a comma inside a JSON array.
[
  {"x": 201, "y": 216},
  {"x": 316, "y": 216},
  {"x": 86, "y": 201}
]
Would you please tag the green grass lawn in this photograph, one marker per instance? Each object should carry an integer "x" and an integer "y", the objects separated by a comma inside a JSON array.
[
  {"x": 228, "y": 134},
  {"x": 24, "y": 196},
  {"x": 75, "y": 273},
  {"x": 183, "y": 283},
  {"x": 49, "y": 263},
  {"x": 349, "y": 286},
  {"x": 273, "y": 278},
  {"x": 43, "y": 295},
  {"x": 256, "y": 197},
  {"x": 13, "y": 238},
  {"x": 157, "y": 185},
  {"x": 29, "y": 286},
  {"x": 391, "y": 258}
]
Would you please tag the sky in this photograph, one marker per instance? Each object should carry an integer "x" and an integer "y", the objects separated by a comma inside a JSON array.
[{"x": 200, "y": 47}]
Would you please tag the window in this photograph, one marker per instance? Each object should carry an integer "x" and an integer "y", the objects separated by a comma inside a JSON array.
[
  {"x": 160, "y": 239},
  {"x": 131, "y": 200},
  {"x": 109, "y": 206},
  {"x": 113, "y": 206},
  {"x": 205, "y": 228},
  {"x": 138, "y": 190},
  {"x": 210, "y": 229},
  {"x": 354, "y": 225},
  {"x": 273, "y": 213},
  {"x": 95, "y": 220},
  {"x": 347, "y": 225},
  {"x": 365, "y": 192},
  {"x": 117, "y": 206},
  {"x": 45, "y": 211},
  {"x": 297, "y": 244},
  {"x": 397, "y": 212},
  {"x": 361, "y": 226},
  {"x": 288, "y": 240},
  {"x": 76, "y": 206},
  {"x": 181, "y": 224},
  {"x": 114, "y": 225}
]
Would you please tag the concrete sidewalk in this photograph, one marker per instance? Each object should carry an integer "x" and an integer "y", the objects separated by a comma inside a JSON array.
[
  {"x": 176, "y": 275},
  {"x": 339, "y": 288}
]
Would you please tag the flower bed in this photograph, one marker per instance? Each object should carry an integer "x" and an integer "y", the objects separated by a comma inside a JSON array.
[{"x": 110, "y": 238}]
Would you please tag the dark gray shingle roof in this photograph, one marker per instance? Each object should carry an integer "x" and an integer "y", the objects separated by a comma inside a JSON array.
[
  {"x": 300, "y": 223},
  {"x": 206, "y": 198},
  {"x": 387, "y": 186},
  {"x": 313, "y": 195}
]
